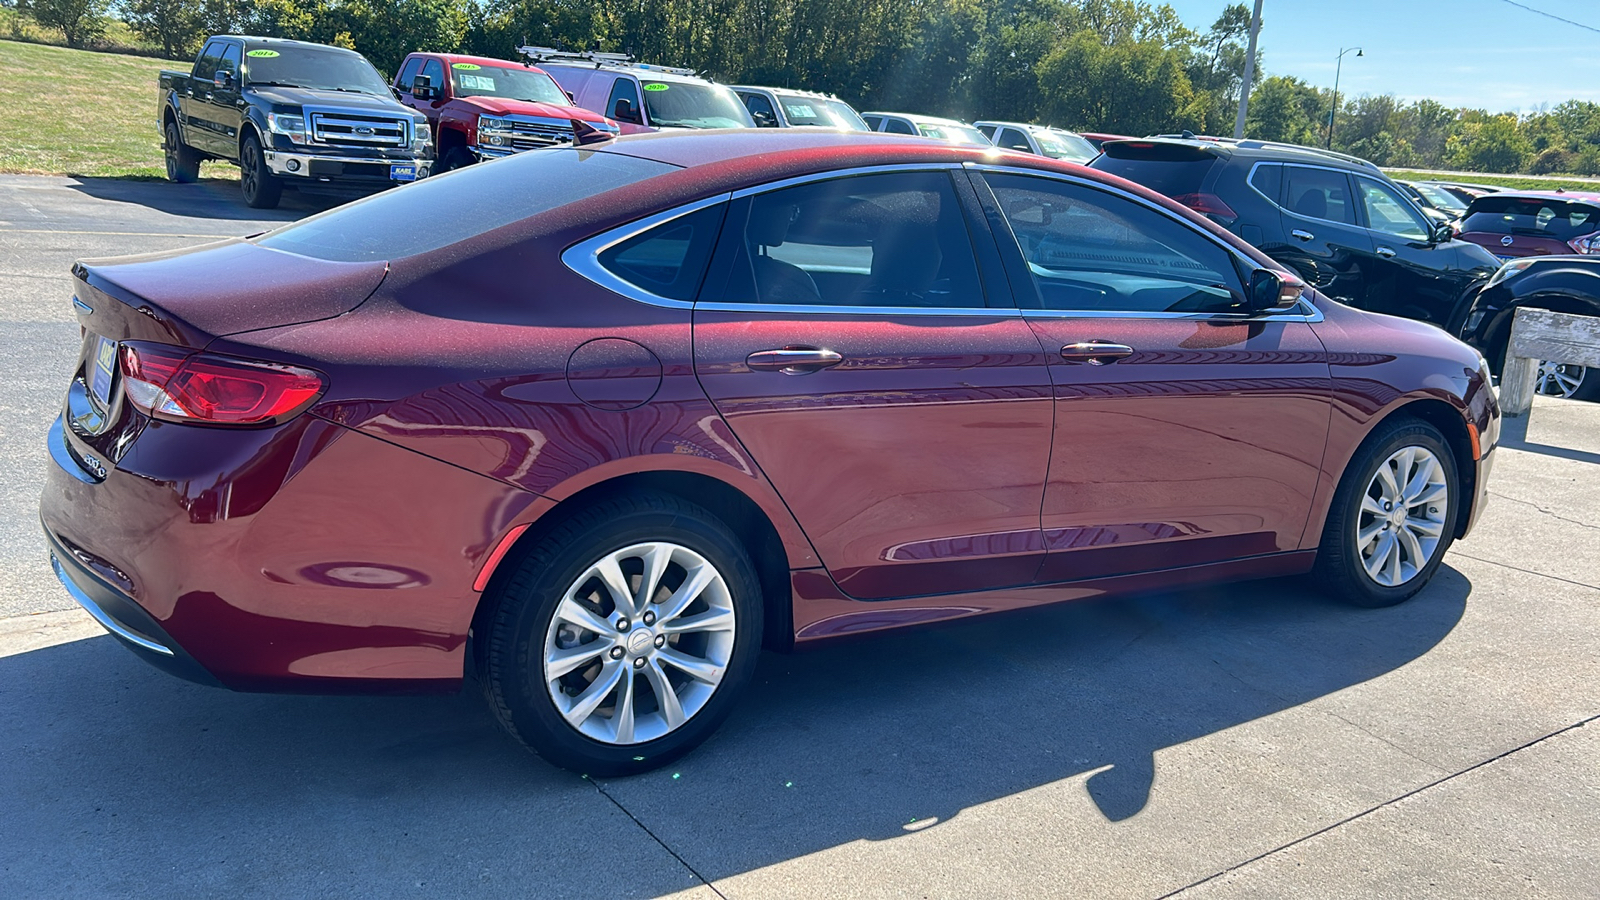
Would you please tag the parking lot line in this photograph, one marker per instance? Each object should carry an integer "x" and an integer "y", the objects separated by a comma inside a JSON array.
[{"x": 112, "y": 233}]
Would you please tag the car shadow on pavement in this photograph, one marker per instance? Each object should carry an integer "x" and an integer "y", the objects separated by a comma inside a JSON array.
[
  {"x": 109, "y": 767},
  {"x": 1557, "y": 452},
  {"x": 205, "y": 199}
]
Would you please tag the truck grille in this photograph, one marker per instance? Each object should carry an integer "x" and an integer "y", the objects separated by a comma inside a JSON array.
[
  {"x": 351, "y": 129},
  {"x": 531, "y": 134}
]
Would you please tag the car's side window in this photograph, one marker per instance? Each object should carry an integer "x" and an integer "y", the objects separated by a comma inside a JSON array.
[
  {"x": 1092, "y": 251},
  {"x": 988, "y": 131},
  {"x": 408, "y": 74},
  {"x": 1318, "y": 194},
  {"x": 892, "y": 239},
  {"x": 670, "y": 259},
  {"x": 1387, "y": 213},
  {"x": 624, "y": 89},
  {"x": 899, "y": 126},
  {"x": 231, "y": 55},
  {"x": 1012, "y": 139},
  {"x": 205, "y": 67},
  {"x": 434, "y": 69},
  {"x": 873, "y": 122},
  {"x": 1268, "y": 179}
]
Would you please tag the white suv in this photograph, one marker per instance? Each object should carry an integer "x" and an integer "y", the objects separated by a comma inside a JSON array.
[
  {"x": 926, "y": 126},
  {"x": 786, "y": 108},
  {"x": 641, "y": 97},
  {"x": 1039, "y": 140}
]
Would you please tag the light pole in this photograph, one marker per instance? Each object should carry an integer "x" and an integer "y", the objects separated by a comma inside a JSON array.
[
  {"x": 1332, "y": 113},
  {"x": 1249, "y": 72}
]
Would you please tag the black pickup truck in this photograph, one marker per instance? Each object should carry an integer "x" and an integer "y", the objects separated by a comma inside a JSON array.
[{"x": 290, "y": 113}]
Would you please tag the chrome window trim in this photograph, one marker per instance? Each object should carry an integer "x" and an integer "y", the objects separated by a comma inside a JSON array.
[
  {"x": 881, "y": 311},
  {"x": 843, "y": 173},
  {"x": 1297, "y": 315},
  {"x": 583, "y": 258}
]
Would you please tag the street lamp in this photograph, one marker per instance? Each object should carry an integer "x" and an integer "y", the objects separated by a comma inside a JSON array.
[{"x": 1336, "y": 70}]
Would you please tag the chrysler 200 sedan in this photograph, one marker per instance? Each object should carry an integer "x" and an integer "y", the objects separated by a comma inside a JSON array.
[{"x": 593, "y": 425}]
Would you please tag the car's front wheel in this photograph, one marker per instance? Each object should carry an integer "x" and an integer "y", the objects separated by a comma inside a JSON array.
[
  {"x": 622, "y": 639},
  {"x": 261, "y": 188},
  {"x": 1568, "y": 381},
  {"x": 1393, "y": 516}
]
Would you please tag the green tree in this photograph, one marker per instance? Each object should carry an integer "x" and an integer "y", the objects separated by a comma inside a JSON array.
[
  {"x": 175, "y": 25},
  {"x": 1491, "y": 145},
  {"x": 1284, "y": 109},
  {"x": 79, "y": 21},
  {"x": 1128, "y": 87}
]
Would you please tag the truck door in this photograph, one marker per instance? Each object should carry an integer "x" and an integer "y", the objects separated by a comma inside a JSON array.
[
  {"x": 193, "y": 103},
  {"x": 224, "y": 107}
]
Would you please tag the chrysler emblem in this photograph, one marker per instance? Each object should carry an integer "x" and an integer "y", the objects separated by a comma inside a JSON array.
[
  {"x": 363, "y": 129},
  {"x": 1506, "y": 241}
]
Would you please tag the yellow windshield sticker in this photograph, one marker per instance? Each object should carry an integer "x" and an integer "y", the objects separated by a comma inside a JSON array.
[
  {"x": 468, "y": 66},
  {"x": 655, "y": 86},
  {"x": 262, "y": 54}
]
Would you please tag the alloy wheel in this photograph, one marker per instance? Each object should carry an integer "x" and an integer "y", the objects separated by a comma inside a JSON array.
[
  {"x": 639, "y": 643},
  {"x": 1558, "y": 379},
  {"x": 249, "y": 175},
  {"x": 1403, "y": 515}
]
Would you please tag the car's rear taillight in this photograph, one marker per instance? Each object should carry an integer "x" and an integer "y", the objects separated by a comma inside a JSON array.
[
  {"x": 1589, "y": 243},
  {"x": 1208, "y": 204},
  {"x": 181, "y": 385}
]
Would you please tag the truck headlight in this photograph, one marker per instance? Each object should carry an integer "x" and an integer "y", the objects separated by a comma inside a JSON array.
[
  {"x": 292, "y": 127},
  {"x": 422, "y": 137}
]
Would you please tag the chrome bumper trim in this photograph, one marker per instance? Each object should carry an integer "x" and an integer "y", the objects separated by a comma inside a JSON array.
[
  {"x": 110, "y": 624},
  {"x": 278, "y": 162}
]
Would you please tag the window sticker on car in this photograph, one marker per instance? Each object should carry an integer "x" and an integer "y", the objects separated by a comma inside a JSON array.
[
  {"x": 655, "y": 86},
  {"x": 476, "y": 82},
  {"x": 262, "y": 54},
  {"x": 470, "y": 67},
  {"x": 800, "y": 111}
]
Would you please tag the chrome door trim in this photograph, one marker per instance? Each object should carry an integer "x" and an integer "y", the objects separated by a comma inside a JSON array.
[
  {"x": 843, "y": 173},
  {"x": 881, "y": 311},
  {"x": 583, "y": 258}
]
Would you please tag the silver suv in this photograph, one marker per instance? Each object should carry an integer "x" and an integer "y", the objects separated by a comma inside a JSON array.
[
  {"x": 1038, "y": 140},
  {"x": 641, "y": 97},
  {"x": 787, "y": 108}
]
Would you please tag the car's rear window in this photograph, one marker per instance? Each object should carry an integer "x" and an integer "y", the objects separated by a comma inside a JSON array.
[
  {"x": 443, "y": 210},
  {"x": 1543, "y": 216},
  {"x": 1172, "y": 169}
]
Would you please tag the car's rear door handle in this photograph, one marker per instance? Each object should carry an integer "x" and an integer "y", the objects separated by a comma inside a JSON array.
[
  {"x": 1303, "y": 235},
  {"x": 1386, "y": 252},
  {"x": 1095, "y": 353},
  {"x": 793, "y": 360}
]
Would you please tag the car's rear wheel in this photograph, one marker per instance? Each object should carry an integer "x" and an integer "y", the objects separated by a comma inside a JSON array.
[
  {"x": 1568, "y": 381},
  {"x": 621, "y": 641},
  {"x": 183, "y": 164},
  {"x": 261, "y": 188},
  {"x": 1393, "y": 516}
]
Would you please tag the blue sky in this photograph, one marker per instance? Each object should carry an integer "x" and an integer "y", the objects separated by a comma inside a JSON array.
[{"x": 1473, "y": 53}]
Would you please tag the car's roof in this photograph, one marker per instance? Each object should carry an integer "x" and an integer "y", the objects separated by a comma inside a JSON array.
[
  {"x": 1025, "y": 126},
  {"x": 914, "y": 117},
  {"x": 641, "y": 70},
  {"x": 479, "y": 60},
  {"x": 284, "y": 42},
  {"x": 783, "y": 90},
  {"x": 1569, "y": 196},
  {"x": 1258, "y": 150}
]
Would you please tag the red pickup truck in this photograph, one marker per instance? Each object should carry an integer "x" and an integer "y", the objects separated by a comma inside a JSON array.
[{"x": 482, "y": 108}]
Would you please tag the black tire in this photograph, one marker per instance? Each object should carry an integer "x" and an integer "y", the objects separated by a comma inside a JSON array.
[
  {"x": 528, "y": 591},
  {"x": 456, "y": 158},
  {"x": 261, "y": 188},
  {"x": 1340, "y": 568},
  {"x": 183, "y": 163}
]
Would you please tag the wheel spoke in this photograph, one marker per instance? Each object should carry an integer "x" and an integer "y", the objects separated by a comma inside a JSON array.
[
  {"x": 1367, "y": 535},
  {"x": 584, "y": 705},
  {"x": 702, "y": 670},
  {"x": 711, "y": 620},
  {"x": 575, "y": 613},
  {"x": 1380, "y": 556},
  {"x": 623, "y": 718},
  {"x": 1425, "y": 527},
  {"x": 561, "y": 661},
  {"x": 1390, "y": 488},
  {"x": 1428, "y": 494},
  {"x": 655, "y": 566},
  {"x": 1412, "y": 547},
  {"x": 616, "y": 584},
  {"x": 699, "y": 577},
  {"x": 1419, "y": 481},
  {"x": 1371, "y": 505},
  {"x": 666, "y": 698}
]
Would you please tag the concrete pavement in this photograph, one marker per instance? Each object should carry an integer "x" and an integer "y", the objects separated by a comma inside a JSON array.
[{"x": 1245, "y": 741}]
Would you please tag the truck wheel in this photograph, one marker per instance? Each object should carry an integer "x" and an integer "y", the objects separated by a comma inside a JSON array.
[
  {"x": 456, "y": 158},
  {"x": 183, "y": 164},
  {"x": 261, "y": 188}
]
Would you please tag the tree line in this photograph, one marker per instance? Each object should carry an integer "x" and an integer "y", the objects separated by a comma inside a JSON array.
[{"x": 1119, "y": 66}]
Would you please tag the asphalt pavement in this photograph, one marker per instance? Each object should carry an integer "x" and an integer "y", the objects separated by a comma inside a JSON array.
[{"x": 1244, "y": 741}]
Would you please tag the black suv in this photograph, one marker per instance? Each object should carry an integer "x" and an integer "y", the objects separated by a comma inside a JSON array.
[{"x": 1335, "y": 219}]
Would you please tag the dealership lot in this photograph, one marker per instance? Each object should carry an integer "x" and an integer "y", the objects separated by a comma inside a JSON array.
[{"x": 1248, "y": 741}]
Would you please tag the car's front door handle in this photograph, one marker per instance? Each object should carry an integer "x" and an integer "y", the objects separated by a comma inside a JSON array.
[
  {"x": 793, "y": 360},
  {"x": 1095, "y": 353},
  {"x": 1386, "y": 252},
  {"x": 1303, "y": 235}
]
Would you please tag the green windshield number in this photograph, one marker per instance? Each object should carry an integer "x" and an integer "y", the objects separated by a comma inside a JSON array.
[
  {"x": 262, "y": 54},
  {"x": 655, "y": 86}
]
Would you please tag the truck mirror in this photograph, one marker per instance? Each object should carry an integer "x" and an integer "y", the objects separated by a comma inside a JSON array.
[
  {"x": 623, "y": 111},
  {"x": 222, "y": 80},
  {"x": 422, "y": 87}
]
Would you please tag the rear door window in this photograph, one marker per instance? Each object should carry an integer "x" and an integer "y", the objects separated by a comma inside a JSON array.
[
  {"x": 668, "y": 260},
  {"x": 1268, "y": 179},
  {"x": 1318, "y": 194},
  {"x": 408, "y": 74},
  {"x": 205, "y": 67},
  {"x": 1092, "y": 251},
  {"x": 898, "y": 126},
  {"x": 1012, "y": 139}
]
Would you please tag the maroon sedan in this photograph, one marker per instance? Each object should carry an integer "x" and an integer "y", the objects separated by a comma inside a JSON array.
[{"x": 596, "y": 424}]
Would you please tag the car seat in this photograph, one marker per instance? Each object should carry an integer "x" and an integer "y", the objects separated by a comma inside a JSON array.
[{"x": 776, "y": 281}]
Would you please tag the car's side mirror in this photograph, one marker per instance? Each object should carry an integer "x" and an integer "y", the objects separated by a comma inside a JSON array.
[
  {"x": 422, "y": 87},
  {"x": 222, "y": 80},
  {"x": 1441, "y": 232},
  {"x": 765, "y": 119},
  {"x": 623, "y": 111},
  {"x": 1271, "y": 290}
]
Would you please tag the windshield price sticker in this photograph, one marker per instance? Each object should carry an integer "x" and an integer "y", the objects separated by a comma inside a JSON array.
[
  {"x": 475, "y": 82},
  {"x": 470, "y": 67},
  {"x": 262, "y": 54},
  {"x": 800, "y": 111},
  {"x": 655, "y": 86}
]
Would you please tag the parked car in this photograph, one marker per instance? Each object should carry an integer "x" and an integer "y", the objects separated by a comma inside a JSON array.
[
  {"x": 948, "y": 130},
  {"x": 1432, "y": 199},
  {"x": 641, "y": 97},
  {"x": 1334, "y": 219},
  {"x": 1466, "y": 193},
  {"x": 1569, "y": 284},
  {"x": 787, "y": 108},
  {"x": 793, "y": 393},
  {"x": 1514, "y": 224},
  {"x": 482, "y": 108},
  {"x": 289, "y": 113},
  {"x": 1039, "y": 140}
]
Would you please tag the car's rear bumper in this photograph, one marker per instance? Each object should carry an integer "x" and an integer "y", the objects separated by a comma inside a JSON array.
[{"x": 127, "y": 621}]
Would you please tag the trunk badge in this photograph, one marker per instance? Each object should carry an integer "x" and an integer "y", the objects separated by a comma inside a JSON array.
[{"x": 1507, "y": 241}]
